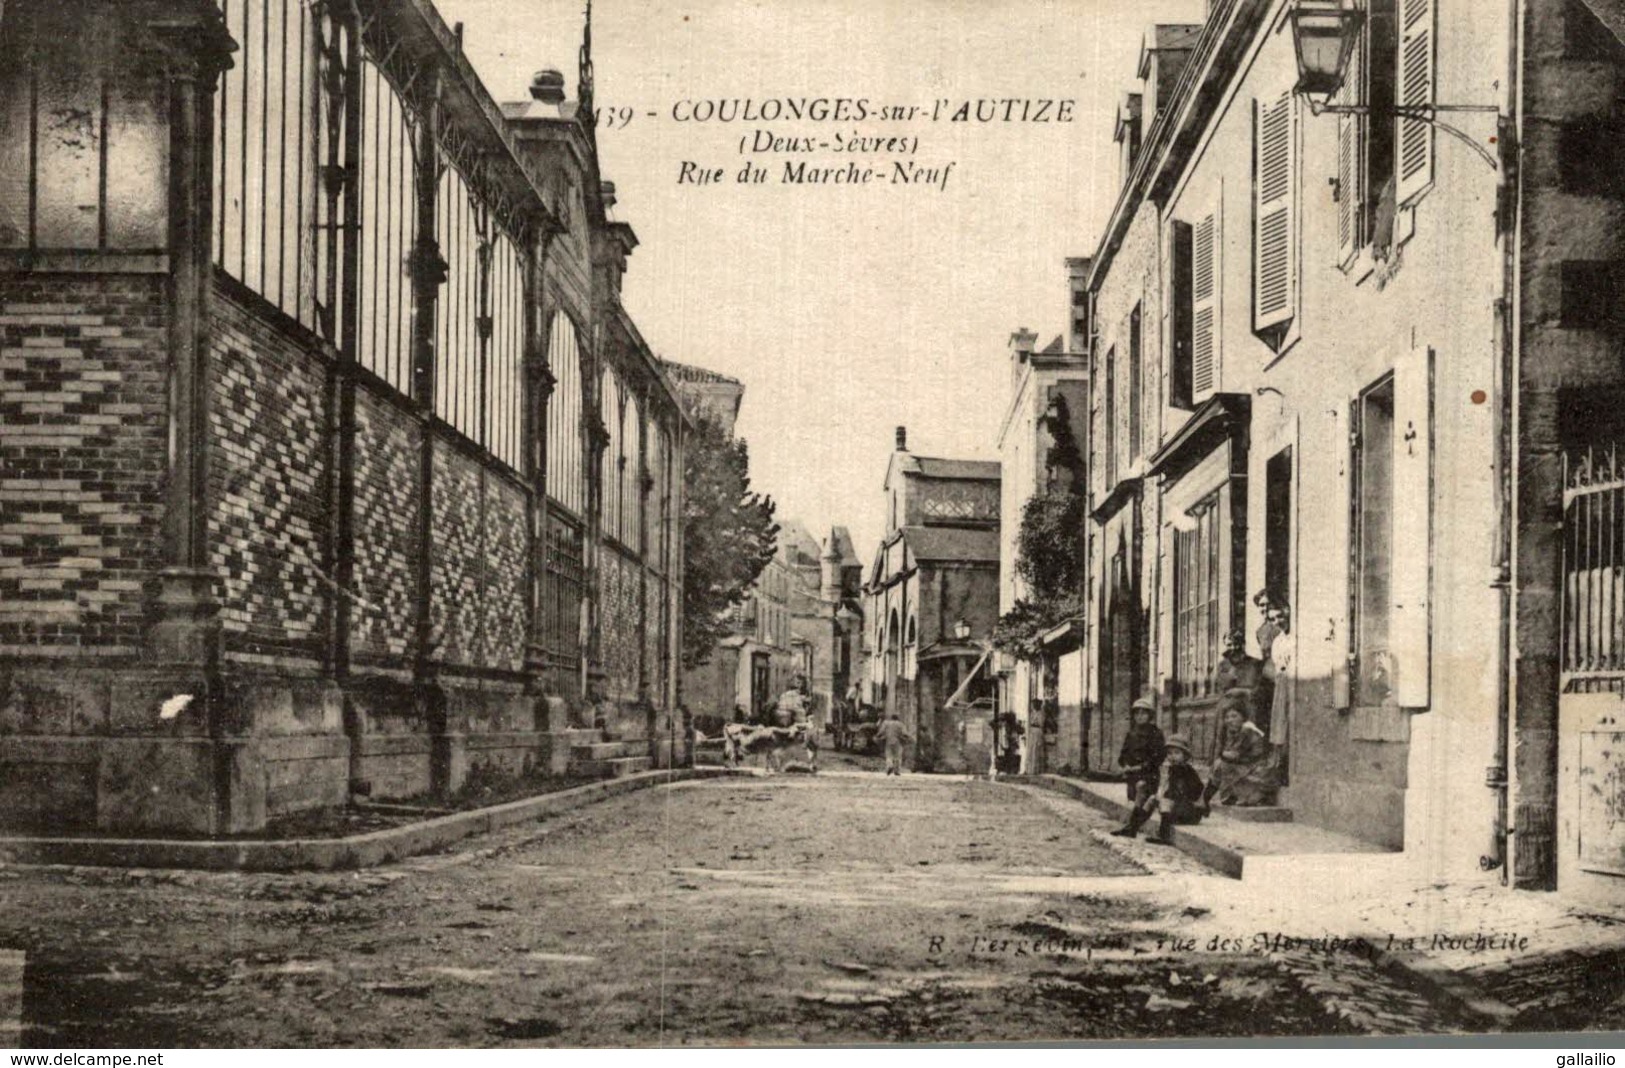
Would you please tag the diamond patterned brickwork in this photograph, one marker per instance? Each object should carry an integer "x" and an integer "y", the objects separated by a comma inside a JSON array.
[
  {"x": 267, "y": 483},
  {"x": 454, "y": 611},
  {"x": 618, "y": 612},
  {"x": 385, "y": 525},
  {"x": 83, "y": 440},
  {"x": 503, "y": 593}
]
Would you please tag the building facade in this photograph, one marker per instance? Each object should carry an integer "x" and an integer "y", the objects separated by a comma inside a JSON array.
[
  {"x": 826, "y": 616},
  {"x": 1041, "y": 453},
  {"x": 330, "y": 463},
  {"x": 1330, "y": 352},
  {"x": 932, "y": 596}
]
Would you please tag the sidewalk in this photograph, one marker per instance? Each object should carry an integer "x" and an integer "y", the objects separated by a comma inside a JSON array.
[{"x": 1344, "y": 915}]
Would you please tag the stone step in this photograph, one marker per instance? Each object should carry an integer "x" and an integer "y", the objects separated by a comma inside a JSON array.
[
  {"x": 613, "y": 768},
  {"x": 1269, "y": 850}
]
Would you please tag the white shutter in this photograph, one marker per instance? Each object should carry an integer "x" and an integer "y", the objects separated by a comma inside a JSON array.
[
  {"x": 1351, "y": 163},
  {"x": 1204, "y": 305},
  {"x": 1414, "y": 151},
  {"x": 1275, "y": 280},
  {"x": 1413, "y": 525}
]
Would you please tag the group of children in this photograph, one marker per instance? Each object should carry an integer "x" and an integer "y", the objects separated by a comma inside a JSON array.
[{"x": 1242, "y": 774}]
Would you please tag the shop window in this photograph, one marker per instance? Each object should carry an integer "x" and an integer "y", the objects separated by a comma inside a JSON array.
[{"x": 1198, "y": 585}]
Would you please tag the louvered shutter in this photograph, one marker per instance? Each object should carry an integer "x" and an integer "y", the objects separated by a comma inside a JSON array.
[
  {"x": 1204, "y": 306},
  {"x": 1179, "y": 371},
  {"x": 1350, "y": 164},
  {"x": 1274, "y": 277},
  {"x": 1414, "y": 151},
  {"x": 1413, "y": 512}
]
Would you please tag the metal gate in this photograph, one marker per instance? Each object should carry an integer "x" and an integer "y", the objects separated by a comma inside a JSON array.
[{"x": 1592, "y": 705}]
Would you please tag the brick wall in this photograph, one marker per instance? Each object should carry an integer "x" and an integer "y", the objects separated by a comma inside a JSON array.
[
  {"x": 268, "y": 481},
  {"x": 456, "y": 535},
  {"x": 503, "y": 618},
  {"x": 82, "y": 457},
  {"x": 619, "y": 622},
  {"x": 386, "y": 506}
]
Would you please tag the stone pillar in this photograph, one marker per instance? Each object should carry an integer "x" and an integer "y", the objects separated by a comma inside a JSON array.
[{"x": 179, "y": 760}]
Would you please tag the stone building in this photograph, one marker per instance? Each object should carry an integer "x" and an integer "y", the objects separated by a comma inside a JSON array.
[
  {"x": 826, "y": 614},
  {"x": 754, "y": 663},
  {"x": 931, "y": 596},
  {"x": 1041, "y": 453},
  {"x": 1366, "y": 360},
  {"x": 330, "y": 463}
]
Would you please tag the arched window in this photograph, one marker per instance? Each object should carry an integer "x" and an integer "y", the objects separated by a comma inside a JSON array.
[
  {"x": 612, "y": 410},
  {"x": 565, "y": 477}
]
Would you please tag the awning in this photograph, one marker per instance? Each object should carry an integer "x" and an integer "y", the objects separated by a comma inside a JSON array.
[{"x": 957, "y": 697}]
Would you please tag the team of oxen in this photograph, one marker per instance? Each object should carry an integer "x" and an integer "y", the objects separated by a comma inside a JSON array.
[{"x": 741, "y": 740}]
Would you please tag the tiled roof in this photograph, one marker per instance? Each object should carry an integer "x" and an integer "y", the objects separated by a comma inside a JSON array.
[{"x": 932, "y": 467}]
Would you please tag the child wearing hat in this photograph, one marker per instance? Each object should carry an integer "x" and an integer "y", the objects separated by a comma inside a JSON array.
[
  {"x": 1244, "y": 773},
  {"x": 1141, "y": 759},
  {"x": 1180, "y": 799}
]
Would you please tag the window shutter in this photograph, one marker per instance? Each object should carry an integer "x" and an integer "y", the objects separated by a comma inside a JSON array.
[
  {"x": 1274, "y": 278},
  {"x": 1204, "y": 306},
  {"x": 1350, "y": 164},
  {"x": 1415, "y": 90},
  {"x": 1179, "y": 371},
  {"x": 1413, "y": 515}
]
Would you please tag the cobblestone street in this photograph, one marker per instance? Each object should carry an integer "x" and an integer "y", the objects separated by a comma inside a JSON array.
[{"x": 838, "y": 908}]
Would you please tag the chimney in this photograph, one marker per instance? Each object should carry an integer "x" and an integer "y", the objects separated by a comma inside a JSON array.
[
  {"x": 1021, "y": 350},
  {"x": 547, "y": 86},
  {"x": 607, "y": 192},
  {"x": 902, "y": 439}
]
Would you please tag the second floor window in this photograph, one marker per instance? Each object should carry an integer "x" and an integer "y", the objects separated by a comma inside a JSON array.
[
  {"x": 1384, "y": 162},
  {"x": 1275, "y": 217},
  {"x": 1194, "y": 305}
]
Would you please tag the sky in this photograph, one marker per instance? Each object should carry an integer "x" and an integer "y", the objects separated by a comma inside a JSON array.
[{"x": 846, "y": 311}]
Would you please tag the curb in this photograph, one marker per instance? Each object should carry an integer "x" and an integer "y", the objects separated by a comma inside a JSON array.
[
  {"x": 331, "y": 854},
  {"x": 1222, "y": 860}
]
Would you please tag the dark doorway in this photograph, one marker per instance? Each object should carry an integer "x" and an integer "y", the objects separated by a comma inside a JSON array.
[{"x": 1278, "y": 527}]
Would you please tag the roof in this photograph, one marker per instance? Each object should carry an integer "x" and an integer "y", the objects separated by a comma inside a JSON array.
[
  {"x": 842, "y": 540},
  {"x": 933, "y": 467},
  {"x": 1054, "y": 348},
  {"x": 684, "y": 372},
  {"x": 952, "y": 543}
]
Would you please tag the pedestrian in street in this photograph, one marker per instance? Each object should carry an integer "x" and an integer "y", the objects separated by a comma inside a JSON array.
[
  {"x": 810, "y": 739},
  {"x": 791, "y": 708},
  {"x": 1009, "y": 740},
  {"x": 1239, "y": 671},
  {"x": 1141, "y": 760},
  {"x": 891, "y": 733},
  {"x": 1243, "y": 774}
]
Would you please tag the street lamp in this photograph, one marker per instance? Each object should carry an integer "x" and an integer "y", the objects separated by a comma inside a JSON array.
[
  {"x": 962, "y": 630},
  {"x": 1324, "y": 34}
]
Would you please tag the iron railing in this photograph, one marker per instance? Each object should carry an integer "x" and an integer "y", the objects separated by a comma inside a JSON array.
[{"x": 1593, "y": 632}]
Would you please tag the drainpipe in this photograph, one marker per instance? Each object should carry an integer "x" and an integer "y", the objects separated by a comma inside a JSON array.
[{"x": 1507, "y": 327}]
